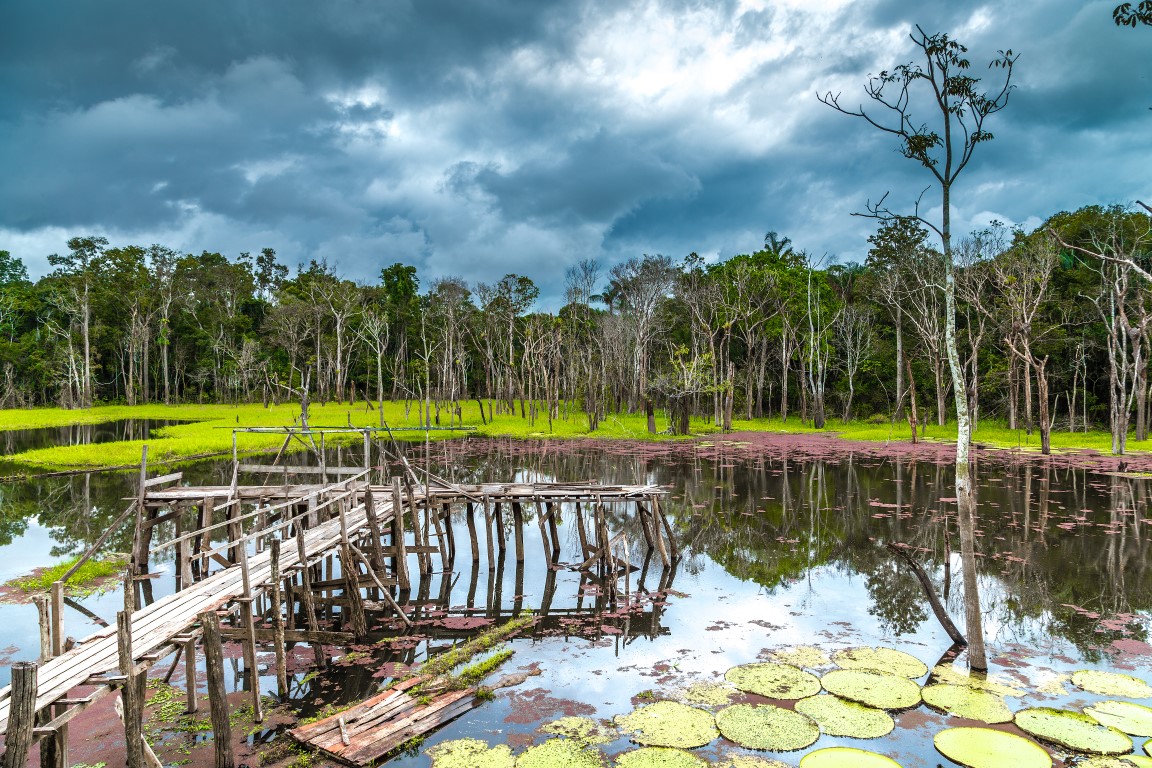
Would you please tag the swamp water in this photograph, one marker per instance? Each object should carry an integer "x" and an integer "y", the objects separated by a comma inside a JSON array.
[{"x": 782, "y": 546}]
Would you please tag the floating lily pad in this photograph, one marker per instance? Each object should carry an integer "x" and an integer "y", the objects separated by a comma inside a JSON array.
[
  {"x": 987, "y": 748},
  {"x": 962, "y": 701},
  {"x": 1127, "y": 761},
  {"x": 802, "y": 656},
  {"x": 669, "y": 724},
  {"x": 846, "y": 757},
  {"x": 1111, "y": 684},
  {"x": 1073, "y": 730},
  {"x": 470, "y": 753},
  {"x": 582, "y": 729},
  {"x": 872, "y": 688},
  {"x": 838, "y": 717},
  {"x": 887, "y": 660},
  {"x": 560, "y": 753},
  {"x": 709, "y": 694},
  {"x": 947, "y": 673},
  {"x": 764, "y": 726},
  {"x": 660, "y": 757},
  {"x": 749, "y": 761},
  {"x": 774, "y": 681},
  {"x": 1135, "y": 719}
]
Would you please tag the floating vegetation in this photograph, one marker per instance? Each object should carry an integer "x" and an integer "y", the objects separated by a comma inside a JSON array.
[
  {"x": 947, "y": 673},
  {"x": 1127, "y": 761},
  {"x": 774, "y": 681},
  {"x": 1111, "y": 684},
  {"x": 582, "y": 729},
  {"x": 1072, "y": 730},
  {"x": 838, "y": 717},
  {"x": 764, "y": 726},
  {"x": 560, "y": 753},
  {"x": 470, "y": 753},
  {"x": 971, "y": 703},
  {"x": 88, "y": 579},
  {"x": 750, "y": 761},
  {"x": 808, "y": 656},
  {"x": 709, "y": 694},
  {"x": 1134, "y": 719},
  {"x": 669, "y": 724},
  {"x": 886, "y": 660},
  {"x": 988, "y": 748},
  {"x": 872, "y": 688},
  {"x": 845, "y": 757},
  {"x": 660, "y": 757}
]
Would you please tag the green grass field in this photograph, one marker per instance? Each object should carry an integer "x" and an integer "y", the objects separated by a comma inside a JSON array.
[{"x": 210, "y": 432}]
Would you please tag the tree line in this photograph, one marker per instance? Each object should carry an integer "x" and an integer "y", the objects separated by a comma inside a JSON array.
[{"x": 1054, "y": 328}]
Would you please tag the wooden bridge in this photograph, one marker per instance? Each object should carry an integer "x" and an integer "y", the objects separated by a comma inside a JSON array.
[{"x": 342, "y": 546}]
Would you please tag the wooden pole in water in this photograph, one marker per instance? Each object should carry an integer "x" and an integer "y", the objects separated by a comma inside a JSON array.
[
  {"x": 543, "y": 531},
  {"x": 45, "y": 627},
  {"x": 217, "y": 696},
  {"x": 469, "y": 515},
  {"x": 57, "y": 618},
  {"x": 553, "y": 530},
  {"x": 581, "y": 531},
  {"x": 190, "y": 675},
  {"x": 278, "y": 623},
  {"x": 400, "y": 561},
  {"x": 306, "y": 596},
  {"x": 351, "y": 573},
  {"x": 130, "y": 693},
  {"x": 518, "y": 525},
  {"x": 488, "y": 531},
  {"x": 249, "y": 626},
  {"x": 498, "y": 519},
  {"x": 373, "y": 525},
  {"x": 663, "y": 518},
  {"x": 21, "y": 714}
]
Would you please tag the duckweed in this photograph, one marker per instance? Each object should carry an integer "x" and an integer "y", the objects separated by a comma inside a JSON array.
[
  {"x": 838, "y": 717},
  {"x": 669, "y": 724},
  {"x": 971, "y": 703},
  {"x": 764, "y": 726},
  {"x": 1072, "y": 730},
  {"x": 774, "y": 681},
  {"x": 872, "y": 688}
]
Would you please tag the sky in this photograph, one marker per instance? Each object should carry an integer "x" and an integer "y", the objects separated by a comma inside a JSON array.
[{"x": 486, "y": 137}]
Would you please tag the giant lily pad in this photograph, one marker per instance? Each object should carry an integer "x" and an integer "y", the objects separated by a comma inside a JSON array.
[
  {"x": 872, "y": 688},
  {"x": 1127, "y": 761},
  {"x": 669, "y": 724},
  {"x": 962, "y": 701},
  {"x": 887, "y": 660},
  {"x": 470, "y": 753},
  {"x": 1135, "y": 719},
  {"x": 749, "y": 761},
  {"x": 802, "y": 656},
  {"x": 560, "y": 753},
  {"x": 660, "y": 757},
  {"x": 582, "y": 729},
  {"x": 948, "y": 673},
  {"x": 774, "y": 681},
  {"x": 846, "y": 757},
  {"x": 1111, "y": 684},
  {"x": 987, "y": 748},
  {"x": 838, "y": 717},
  {"x": 764, "y": 726},
  {"x": 709, "y": 694},
  {"x": 1072, "y": 730}
]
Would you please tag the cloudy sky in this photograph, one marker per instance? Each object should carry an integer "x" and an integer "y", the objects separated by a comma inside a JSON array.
[{"x": 481, "y": 137}]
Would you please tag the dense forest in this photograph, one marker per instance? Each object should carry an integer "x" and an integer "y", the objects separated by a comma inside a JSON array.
[{"x": 1055, "y": 328}]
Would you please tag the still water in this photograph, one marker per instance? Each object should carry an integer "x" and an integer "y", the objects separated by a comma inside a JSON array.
[{"x": 781, "y": 546}]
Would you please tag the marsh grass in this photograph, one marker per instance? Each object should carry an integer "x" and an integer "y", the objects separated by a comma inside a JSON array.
[{"x": 86, "y": 580}]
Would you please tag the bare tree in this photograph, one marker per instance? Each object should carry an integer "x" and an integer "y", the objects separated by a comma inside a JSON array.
[{"x": 855, "y": 339}]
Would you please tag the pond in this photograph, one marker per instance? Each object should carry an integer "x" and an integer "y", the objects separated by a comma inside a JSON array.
[
  {"x": 19, "y": 440},
  {"x": 783, "y": 545}
]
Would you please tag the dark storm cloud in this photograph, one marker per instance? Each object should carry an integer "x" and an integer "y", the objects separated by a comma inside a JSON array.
[{"x": 519, "y": 135}]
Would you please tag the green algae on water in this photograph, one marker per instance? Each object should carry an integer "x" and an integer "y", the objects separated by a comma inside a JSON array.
[
  {"x": 988, "y": 748},
  {"x": 1072, "y": 730},
  {"x": 709, "y": 694},
  {"x": 774, "y": 681},
  {"x": 846, "y": 757},
  {"x": 1133, "y": 719},
  {"x": 585, "y": 730},
  {"x": 669, "y": 724},
  {"x": 839, "y": 717},
  {"x": 872, "y": 688},
  {"x": 470, "y": 753},
  {"x": 560, "y": 753},
  {"x": 803, "y": 656},
  {"x": 970, "y": 703},
  {"x": 1111, "y": 684},
  {"x": 886, "y": 660},
  {"x": 768, "y": 727},
  {"x": 660, "y": 757}
]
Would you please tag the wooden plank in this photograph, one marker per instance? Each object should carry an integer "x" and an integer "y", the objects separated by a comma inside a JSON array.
[{"x": 175, "y": 477}]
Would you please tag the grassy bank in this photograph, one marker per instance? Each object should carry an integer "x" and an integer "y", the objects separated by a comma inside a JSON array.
[{"x": 210, "y": 430}]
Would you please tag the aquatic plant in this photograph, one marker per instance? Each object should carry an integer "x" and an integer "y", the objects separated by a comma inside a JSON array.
[
  {"x": 1127, "y": 761},
  {"x": 887, "y": 660},
  {"x": 560, "y": 753},
  {"x": 1072, "y": 730},
  {"x": 970, "y": 703},
  {"x": 803, "y": 656},
  {"x": 709, "y": 694},
  {"x": 872, "y": 688},
  {"x": 841, "y": 757},
  {"x": 948, "y": 673},
  {"x": 83, "y": 582},
  {"x": 750, "y": 761},
  {"x": 470, "y": 753},
  {"x": 838, "y": 717},
  {"x": 1111, "y": 684},
  {"x": 659, "y": 757},
  {"x": 582, "y": 729},
  {"x": 989, "y": 748},
  {"x": 669, "y": 724},
  {"x": 1133, "y": 719},
  {"x": 774, "y": 681},
  {"x": 768, "y": 727}
]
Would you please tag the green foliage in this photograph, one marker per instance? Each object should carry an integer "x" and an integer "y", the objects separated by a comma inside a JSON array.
[{"x": 80, "y": 582}]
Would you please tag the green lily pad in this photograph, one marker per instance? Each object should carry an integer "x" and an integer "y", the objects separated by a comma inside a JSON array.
[
  {"x": 887, "y": 660},
  {"x": 470, "y": 753},
  {"x": 709, "y": 694},
  {"x": 1127, "y": 761},
  {"x": 846, "y": 757},
  {"x": 988, "y": 748},
  {"x": 948, "y": 673},
  {"x": 560, "y": 753},
  {"x": 669, "y": 724},
  {"x": 839, "y": 717},
  {"x": 660, "y": 757},
  {"x": 750, "y": 761},
  {"x": 582, "y": 729},
  {"x": 1072, "y": 730},
  {"x": 764, "y": 726},
  {"x": 962, "y": 701},
  {"x": 872, "y": 688},
  {"x": 1134, "y": 719},
  {"x": 802, "y": 656},
  {"x": 774, "y": 681},
  {"x": 1111, "y": 684}
]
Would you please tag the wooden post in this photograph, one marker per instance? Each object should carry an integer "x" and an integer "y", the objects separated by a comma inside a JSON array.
[
  {"x": 57, "y": 618},
  {"x": 352, "y": 591},
  {"x": 658, "y": 535},
  {"x": 581, "y": 531},
  {"x": 140, "y": 554},
  {"x": 278, "y": 624},
  {"x": 450, "y": 531},
  {"x": 54, "y": 746},
  {"x": 553, "y": 510},
  {"x": 543, "y": 531},
  {"x": 469, "y": 512},
  {"x": 400, "y": 561},
  {"x": 518, "y": 525},
  {"x": 498, "y": 515},
  {"x": 190, "y": 674},
  {"x": 45, "y": 627},
  {"x": 373, "y": 525},
  {"x": 217, "y": 696},
  {"x": 130, "y": 692},
  {"x": 306, "y": 596},
  {"x": 249, "y": 626},
  {"x": 488, "y": 532},
  {"x": 21, "y": 715},
  {"x": 658, "y": 508}
]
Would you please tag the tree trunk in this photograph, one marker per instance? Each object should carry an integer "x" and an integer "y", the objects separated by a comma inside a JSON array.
[{"x": 1042, "y": 394}]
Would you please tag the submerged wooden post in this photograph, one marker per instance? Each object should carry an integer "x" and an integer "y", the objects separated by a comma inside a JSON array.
[
  {"x": 190, "y": 674},
  {"x": 21, "y": 714},
  {"x": 658, "y": 508},
  {"x": 488, "y": 531},
  {"x": 45, "y": 627},
  {"x": 352, "y": 590},
  {"x": 57, "y": 618},
  {"x": 400, "y": 561},
  {"x": 306, "y": 596},
  {"x": 217, "y": 696},
  {"x": 553, "y": 530},
  {"x": 373, "y": 525},
  {"x": 447, "y": 529},
  {"x": 130, "y": 692},
  {"x": 278, "y": 623},
  {"x": 498, "y": 516},
  {"x": 543, "y": 531},
  {"x": 581, "y": 531},
  {"x": 470, "y": 516},
  {"x": 249, "y": 626},
  {"x": 518, "y": 525}
]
